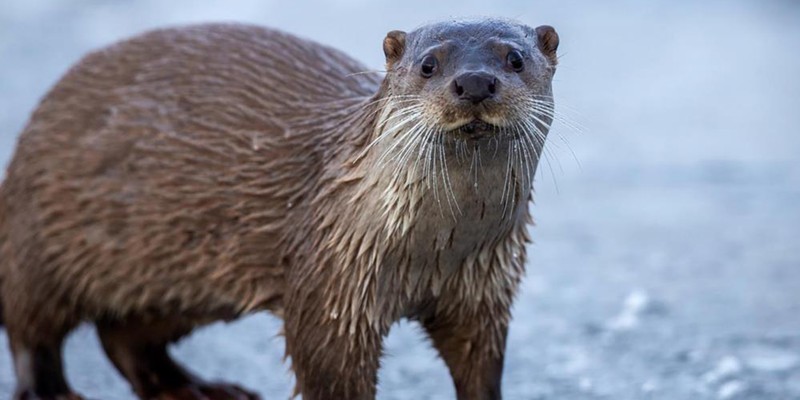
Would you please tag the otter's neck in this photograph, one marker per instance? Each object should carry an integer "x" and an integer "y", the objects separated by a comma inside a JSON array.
[{"x": 438, "y": 193}]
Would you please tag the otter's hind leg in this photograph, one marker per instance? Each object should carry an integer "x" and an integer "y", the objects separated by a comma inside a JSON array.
[
  {"x": 36, "y": 350},
  {"x": 139, "y": 351}
]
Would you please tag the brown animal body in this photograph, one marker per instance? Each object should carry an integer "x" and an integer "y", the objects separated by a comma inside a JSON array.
[{"x": 197, "y": 174}]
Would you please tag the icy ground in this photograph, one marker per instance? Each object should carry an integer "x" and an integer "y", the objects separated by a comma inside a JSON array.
[{"x": 666, "y": 266}]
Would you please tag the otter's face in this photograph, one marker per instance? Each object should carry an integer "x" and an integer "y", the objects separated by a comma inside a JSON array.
[{"x": 473, "y": 80}]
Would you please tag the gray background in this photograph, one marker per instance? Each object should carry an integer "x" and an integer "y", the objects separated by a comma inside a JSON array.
[{"x": 666, "y": 260}]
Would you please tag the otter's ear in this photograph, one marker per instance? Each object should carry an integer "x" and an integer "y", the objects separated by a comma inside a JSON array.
[
  {"x": 547, "y": 40},
  {"x": 393, "y": 46}
]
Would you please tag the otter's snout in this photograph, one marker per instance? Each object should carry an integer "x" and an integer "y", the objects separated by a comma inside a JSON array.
[{"x": 474, "y": 87}]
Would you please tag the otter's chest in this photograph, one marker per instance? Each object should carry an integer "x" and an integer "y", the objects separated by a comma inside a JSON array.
[{"x": 471, "y": 204}]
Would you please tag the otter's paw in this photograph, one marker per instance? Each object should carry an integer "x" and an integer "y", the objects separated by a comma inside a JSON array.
[
  {"x": 30, "y": 395},
  {"x": 208, "y": 391}
]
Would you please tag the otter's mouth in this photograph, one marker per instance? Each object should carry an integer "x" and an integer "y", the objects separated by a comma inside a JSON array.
[{"x": 475, "y": 129}]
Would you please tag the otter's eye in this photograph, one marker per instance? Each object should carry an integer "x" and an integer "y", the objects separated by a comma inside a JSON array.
[
  {"x": 429, "y": 66},
  {"x": 515, "y": 60}
]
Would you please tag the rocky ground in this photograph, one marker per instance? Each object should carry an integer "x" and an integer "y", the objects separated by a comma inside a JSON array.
[{"x": 666, "y": 261}]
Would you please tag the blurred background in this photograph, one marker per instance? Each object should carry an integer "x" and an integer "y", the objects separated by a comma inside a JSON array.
[{"x": 665, "y": 262}]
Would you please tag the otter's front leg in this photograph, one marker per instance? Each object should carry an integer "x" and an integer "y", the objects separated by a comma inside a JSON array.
[
  {"x": 473, "y": 348},
  {"x": 335, "y": 354}
]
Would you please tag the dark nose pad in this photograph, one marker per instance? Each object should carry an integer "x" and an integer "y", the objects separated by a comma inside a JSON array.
[{"x": 474, "y": 87}]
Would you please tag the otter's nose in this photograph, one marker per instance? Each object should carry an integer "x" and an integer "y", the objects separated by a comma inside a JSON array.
[{"x": 474, "y": 87}]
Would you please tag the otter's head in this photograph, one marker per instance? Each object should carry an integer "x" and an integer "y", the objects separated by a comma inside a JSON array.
[{"x": 471, "y": 80}]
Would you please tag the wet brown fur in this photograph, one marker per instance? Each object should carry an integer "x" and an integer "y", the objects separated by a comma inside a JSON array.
[{"x": 197, "y": 174}]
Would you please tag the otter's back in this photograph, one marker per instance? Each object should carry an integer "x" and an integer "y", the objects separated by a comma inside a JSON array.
[{"x": 168, "y": 158}]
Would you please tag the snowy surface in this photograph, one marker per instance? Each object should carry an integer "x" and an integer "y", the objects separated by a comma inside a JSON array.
[{"x": 666, "y": 265}]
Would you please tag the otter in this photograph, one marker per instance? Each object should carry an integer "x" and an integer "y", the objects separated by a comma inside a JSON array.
[{"x": 201, "y": 173}]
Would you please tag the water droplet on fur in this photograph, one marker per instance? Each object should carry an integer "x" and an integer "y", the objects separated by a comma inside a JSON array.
[
  {"x": 334, "y": 314},
  {"x": 475, "y": 185},
  {"x": 515, "y": 254},
  {"x": 289, "y": 205}
]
